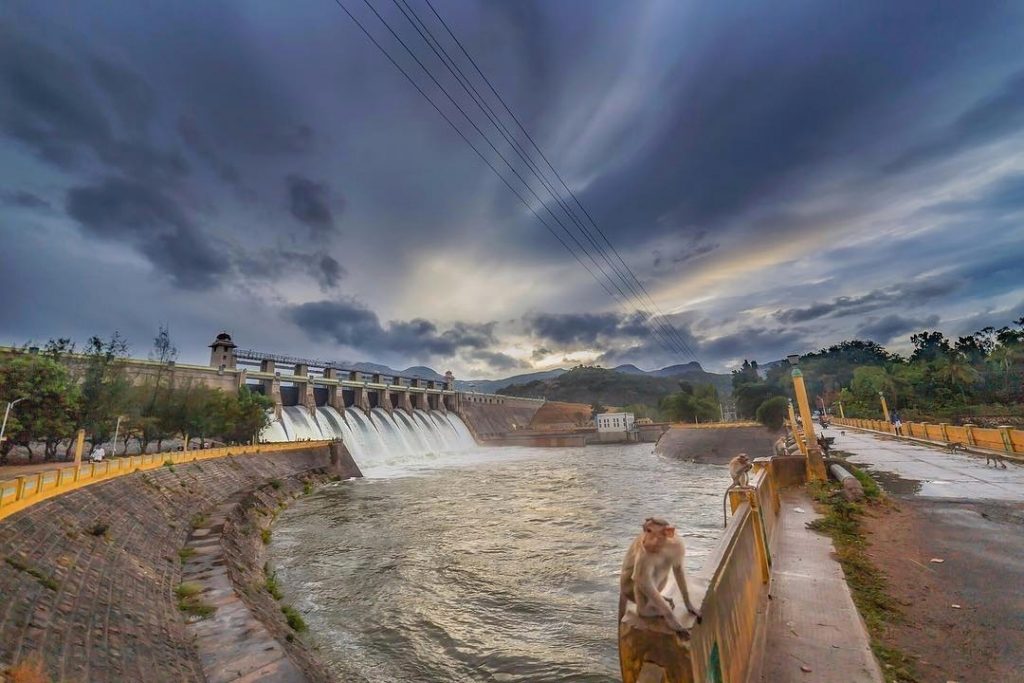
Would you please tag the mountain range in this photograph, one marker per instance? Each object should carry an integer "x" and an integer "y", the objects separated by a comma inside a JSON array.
[{"x": 690, "y": 371}]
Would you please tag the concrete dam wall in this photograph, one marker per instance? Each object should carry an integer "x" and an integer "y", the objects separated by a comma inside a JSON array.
[
  {"x": 89, "y": 577},
  {"x": 489, "y": 416}
]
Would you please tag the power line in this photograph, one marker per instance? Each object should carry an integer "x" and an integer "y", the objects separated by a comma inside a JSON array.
[
  {"x": 486, "y": 139},
  {"x": 449, "y": 62},
  {"x": 663, "y": 338},
  {"x": 529, "y": 137}
]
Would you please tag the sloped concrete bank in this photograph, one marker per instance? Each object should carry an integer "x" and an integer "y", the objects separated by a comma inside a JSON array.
[{"x": 90, "y": 580}]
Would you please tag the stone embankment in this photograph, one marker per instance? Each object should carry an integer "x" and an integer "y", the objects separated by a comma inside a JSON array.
[
  {"x": 716, "y": 446},
  {"x": 91, "y": 579}
]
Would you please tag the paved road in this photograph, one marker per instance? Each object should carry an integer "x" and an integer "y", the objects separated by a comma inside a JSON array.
[
  {"x": 907, "y": 468},
  {"x": 964, "y": 614}
]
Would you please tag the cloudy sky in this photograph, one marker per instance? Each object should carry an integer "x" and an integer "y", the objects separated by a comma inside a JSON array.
[{"x": 779, "y": 175}]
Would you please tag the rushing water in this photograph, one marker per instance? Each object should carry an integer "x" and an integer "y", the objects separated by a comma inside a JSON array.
[{"x": 500, "y": 566}]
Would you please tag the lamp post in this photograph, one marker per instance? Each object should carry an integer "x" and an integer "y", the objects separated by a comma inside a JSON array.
[
  {"x": 842, "y": 414},
  {"x": 117, "y": 429},
  {"x": 885, "y": 407},
  {"x": 10, "y": 404}
]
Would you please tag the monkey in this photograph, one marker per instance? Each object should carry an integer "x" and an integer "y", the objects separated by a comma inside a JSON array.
[
  {"x": 738, "y": 469},
  {"x": 996, "y": 459},
  {"x": 955, "y": 446},
  {"x": 654, "y": 553},
  {"x": 780, "y": 446}
]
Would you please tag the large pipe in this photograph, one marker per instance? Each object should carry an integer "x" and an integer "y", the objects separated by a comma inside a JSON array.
[{"x": 852, "y": 489}]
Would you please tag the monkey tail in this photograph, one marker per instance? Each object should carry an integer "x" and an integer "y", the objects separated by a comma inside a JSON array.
[{"x": 622, "y": 606}]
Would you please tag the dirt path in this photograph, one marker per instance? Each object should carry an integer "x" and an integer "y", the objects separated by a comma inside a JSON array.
[{"x": 981, "y": 544}]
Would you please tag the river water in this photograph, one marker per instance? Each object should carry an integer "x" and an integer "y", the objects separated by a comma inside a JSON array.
[{"x": 496, "y": 565}]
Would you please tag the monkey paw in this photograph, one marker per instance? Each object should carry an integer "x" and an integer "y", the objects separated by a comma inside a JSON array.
[{"x": 696, "y": 614}]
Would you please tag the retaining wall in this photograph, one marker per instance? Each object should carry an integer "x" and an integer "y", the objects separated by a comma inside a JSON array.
[{"x": 88, "y": 577}]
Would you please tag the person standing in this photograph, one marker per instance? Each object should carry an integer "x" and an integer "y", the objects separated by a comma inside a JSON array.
[{"x": 897, "y": 424}]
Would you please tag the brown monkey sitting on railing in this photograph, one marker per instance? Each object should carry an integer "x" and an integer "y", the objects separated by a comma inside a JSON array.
[{"x": 652, "y": 555}]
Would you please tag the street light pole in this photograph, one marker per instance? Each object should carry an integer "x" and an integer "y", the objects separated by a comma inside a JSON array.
[
  {"x": 7, "y": 411},
  {"x": 117, "y": 428}
]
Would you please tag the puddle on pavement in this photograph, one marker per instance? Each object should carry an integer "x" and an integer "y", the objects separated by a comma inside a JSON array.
[{"x": 893, "y": 483}]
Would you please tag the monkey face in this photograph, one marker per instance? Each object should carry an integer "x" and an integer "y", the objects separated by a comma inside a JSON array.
[{"x": 656, "y": 531}]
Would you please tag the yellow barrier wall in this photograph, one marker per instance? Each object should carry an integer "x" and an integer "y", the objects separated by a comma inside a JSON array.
[
  {"x": 1001, "y": 439},
  {"x": 21, "y": 492}
]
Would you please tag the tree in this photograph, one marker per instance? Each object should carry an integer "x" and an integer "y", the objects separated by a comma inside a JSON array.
[
  {"x": 245, "y": 416},
  {"x": 929, "y": 346},
  {"x": 957, "y": 373},
  {"x": 772, "y": 413},
  {"x": 596, "y": 409},
  {"x": 105, "y": 387},
  {"x": 692, "y": 404},
  {"x": 48, "y": 401}
]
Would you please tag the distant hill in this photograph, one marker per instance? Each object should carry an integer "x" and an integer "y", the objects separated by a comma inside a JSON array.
[
  {"x": 609, "y": 387},
  {"x": 491, "y": 386},
  {"x": 692, "y": 372},
  {"x": 422, "y": 372}
]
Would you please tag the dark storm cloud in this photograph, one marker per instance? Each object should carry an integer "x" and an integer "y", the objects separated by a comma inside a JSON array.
[
  {"x": 52, "y": 108},
  {"x": 350, "y": 323},
  {"x": 568, "y": 329},
  {"x": 309, "y": 201},
  {"x": 894, "y": 325},
  {"x": 143, "y": 216},
  {"x": 752, "y": 108},
  {"x": 273, "y": 264},
  {"x": 908, "y": 294},
  {"x": 197, "y": 141},
  {"x": 993, "y": 117},
  {"x": 23, "y": 200}
]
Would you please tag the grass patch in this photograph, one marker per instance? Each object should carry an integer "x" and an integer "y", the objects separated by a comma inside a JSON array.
[
  {"x": 307, "y": 488},
  {"x": 190, "y": 603},
  {"x": 197, "y": 520},
  {"x": 169, "y": 464},
  {"x": 265, "y": 535},
  {"x": 294, "y": 619},
  {"x": 868, "y": 586},
  {"x": 44, "y": 580},
  {"x": 185, "y": 554},
  {"x": 272, "y": 586},
  {"x": 275, "y": 484}
]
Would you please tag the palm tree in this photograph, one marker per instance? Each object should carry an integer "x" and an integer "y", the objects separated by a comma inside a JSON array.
[{"x": 957, "y": 373}]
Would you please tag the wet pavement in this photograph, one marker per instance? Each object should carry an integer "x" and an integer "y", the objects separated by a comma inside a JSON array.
[{"x": 907, "y": 468}]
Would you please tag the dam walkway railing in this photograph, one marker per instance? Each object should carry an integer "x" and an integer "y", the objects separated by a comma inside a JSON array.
[
  {"x": 21, "y": 492},
  {"x": 1006, "y": 440}
]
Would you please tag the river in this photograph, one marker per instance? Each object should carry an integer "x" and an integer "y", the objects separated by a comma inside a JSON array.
[{"x": 495, "y": 565}]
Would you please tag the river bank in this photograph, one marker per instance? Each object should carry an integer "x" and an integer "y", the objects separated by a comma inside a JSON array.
[{"x": 92, "y": 578}]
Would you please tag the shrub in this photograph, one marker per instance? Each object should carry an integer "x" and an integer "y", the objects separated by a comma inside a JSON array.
[
  {"x": 294, "y": 619},
  {"x": 772, "y": 412}
]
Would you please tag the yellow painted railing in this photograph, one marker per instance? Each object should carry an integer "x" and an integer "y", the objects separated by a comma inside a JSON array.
[
  {"x": 721, "y": 646},
  {"x": 23, "y": 491},
  {"x": 715, "y": 425},
  {"x": 1003, "y": 439}
]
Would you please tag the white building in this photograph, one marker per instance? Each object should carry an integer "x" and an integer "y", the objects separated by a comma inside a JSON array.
[{"x": 615, "y": 422}]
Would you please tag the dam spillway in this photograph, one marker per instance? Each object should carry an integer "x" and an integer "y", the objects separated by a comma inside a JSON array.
[{"x": 378, "y": 438}]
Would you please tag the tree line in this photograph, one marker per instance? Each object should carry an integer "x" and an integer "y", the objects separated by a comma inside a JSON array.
[
  {"x": 65, "y": 388},
  {"x": 980, "y": 375}
]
